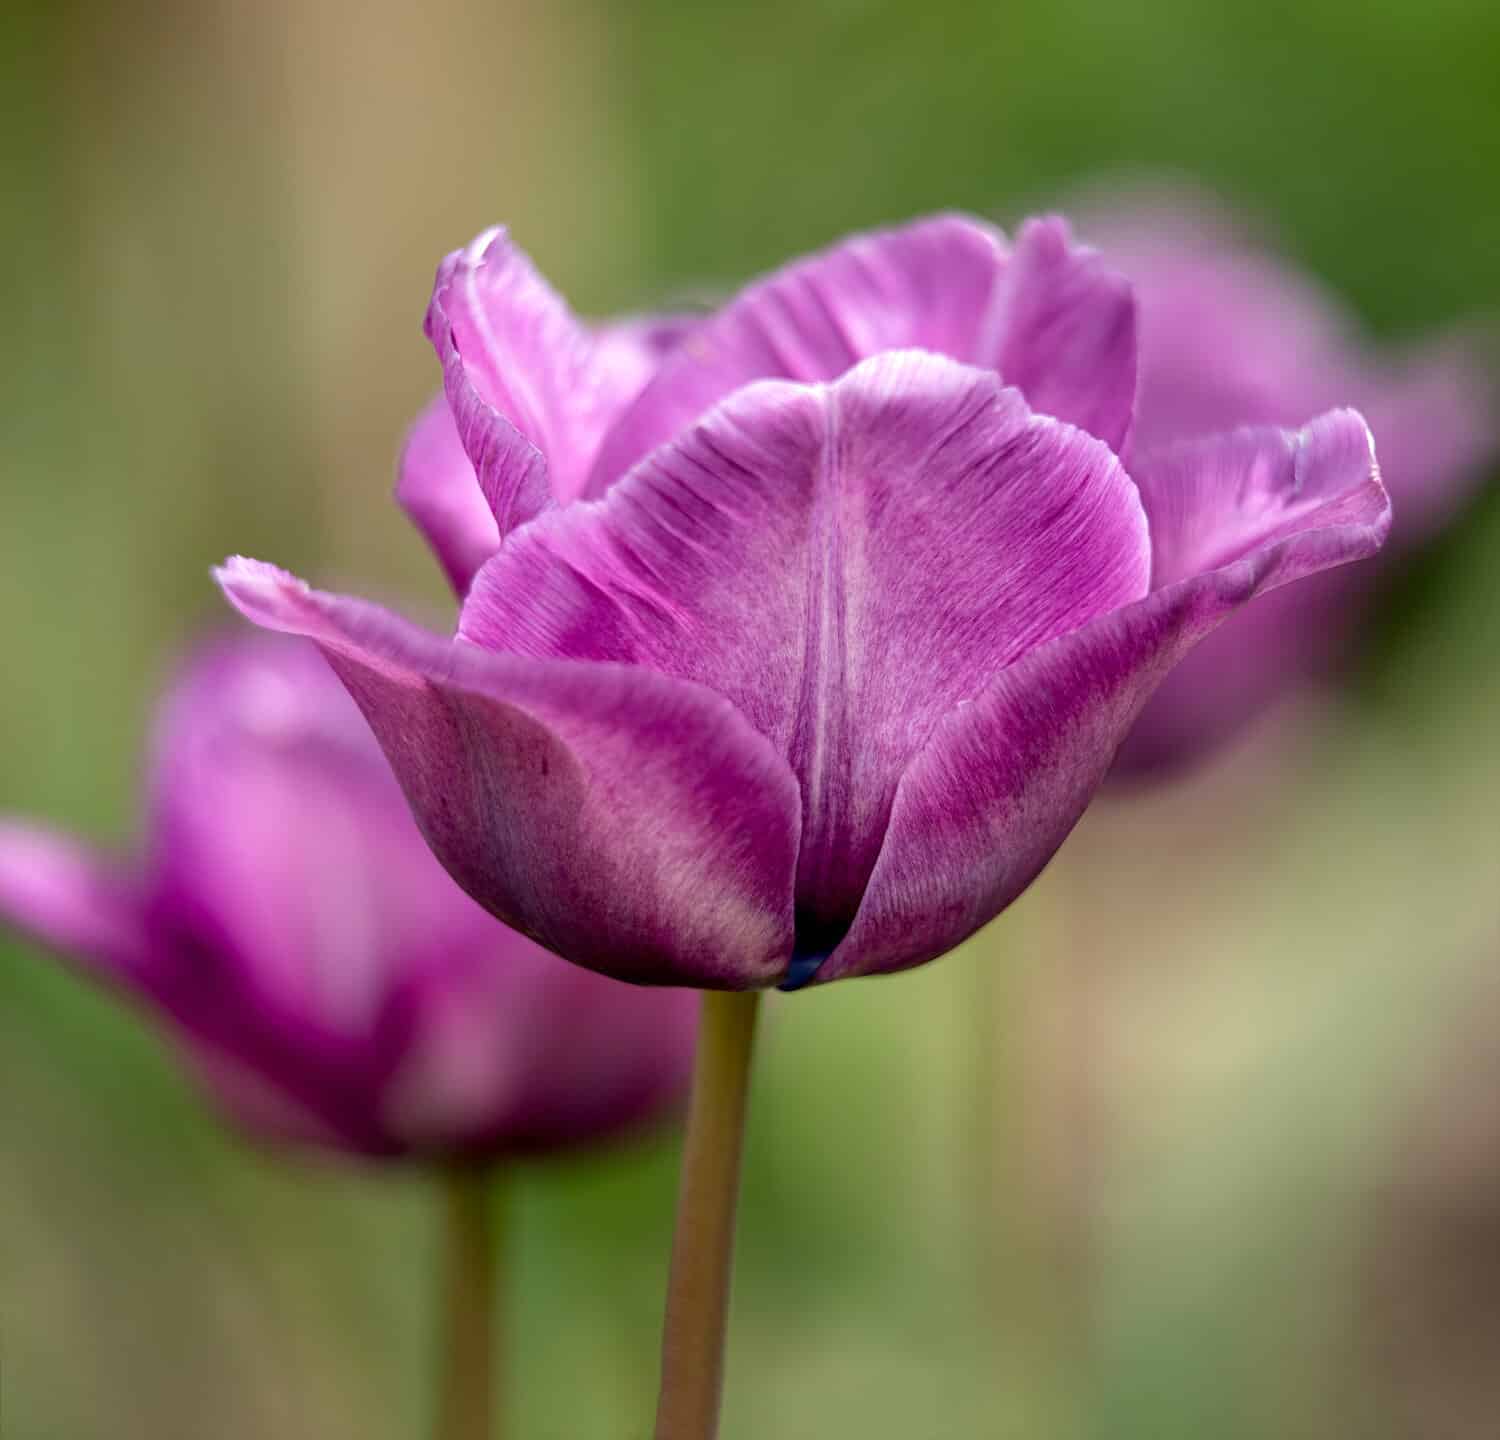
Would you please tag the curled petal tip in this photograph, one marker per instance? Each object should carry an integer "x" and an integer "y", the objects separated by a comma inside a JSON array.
[
  {"x": 478, "y": 250},
  {"x": 260, "y": 592}
]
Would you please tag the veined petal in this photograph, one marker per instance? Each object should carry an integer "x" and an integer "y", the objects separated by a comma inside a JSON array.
[
  {"x": 1002, "y": 781},
  {"x": 437, "y": 485},
  {"x": 505, "y": 341},
  {"x": 439, "y": 491},
  {"x": 1213, "y": 500},
  {"x": 927, "y": 285},
  {"x": 1062, "y": 331},
  {"x": 631, "y": 822},
  {"x": 531, "y": 389},
  {"x": 631, "y": 350},
  {"x": 73, "y": 900},
  {"x": 845, "y": 564}
]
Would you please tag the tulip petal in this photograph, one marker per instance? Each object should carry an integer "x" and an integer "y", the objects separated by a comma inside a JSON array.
[
  {"x": 1001, "y": 783},
  {"x": 845, "y": 564},
  {"x": 531, "y": 389},
  {"x": 1211, "y": 501},
  {"x": 926, "y": 285},
  {"x": 73, "y": 900},
  {"x": 439, "y": 491},
  {"x": 630, "y": 822},
  {"x": 1063, "y": 332}
]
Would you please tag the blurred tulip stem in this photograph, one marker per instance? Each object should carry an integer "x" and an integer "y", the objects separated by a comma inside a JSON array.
[
  {"x": 467, "y": 1380},
  {"x": 692, "y": 1350},
  {"x": 985, "y": 999}
]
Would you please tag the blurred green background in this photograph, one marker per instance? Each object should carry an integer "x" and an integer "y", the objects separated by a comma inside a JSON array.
[{"x": 1246, "y": 1032}]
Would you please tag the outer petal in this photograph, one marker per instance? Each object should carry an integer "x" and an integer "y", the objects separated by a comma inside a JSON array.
[
  {"x": 1001, "y": 783},
  {"x": 1211, "y": 501},
  {"x": 845, "y": 564},
  {"x": 1062, "y": 330},
  {"x": 439, "y": 491},
  {"x": 632, "y": 823},
  {"x": 927, "y": 285},
  {"x": 73, "y": 900},
  {"x": 1237, "y": 673},
  {"x": 530, "y": 388}
]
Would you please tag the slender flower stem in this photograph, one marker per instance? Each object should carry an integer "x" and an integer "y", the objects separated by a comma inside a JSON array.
[
  {"x": 467, "y": 1383},
  {"x": 984, "y": 998},
  {"x": 692, "y": 1348}
]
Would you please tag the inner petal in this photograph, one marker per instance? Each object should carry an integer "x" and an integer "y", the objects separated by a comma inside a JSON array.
[
  {"x": 929, "y": 284},
  {"x": 845, "y": 563}
]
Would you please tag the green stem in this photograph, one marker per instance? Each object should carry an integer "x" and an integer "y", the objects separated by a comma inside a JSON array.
[
  {"x": 985, "y": 999},
  {"x": 467, "y": 1380},
  {"x": 692, "y": 1348}
]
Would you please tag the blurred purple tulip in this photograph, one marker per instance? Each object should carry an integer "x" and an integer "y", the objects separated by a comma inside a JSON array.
[
  {"x": 802, "y": 662},
  {"x": 328, "y": 982},
  {"x": 1230, "y": 335}
]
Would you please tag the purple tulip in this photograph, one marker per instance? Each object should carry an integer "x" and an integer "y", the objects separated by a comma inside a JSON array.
[
  {"x": 1231, "y": 336},
  {"x": 802, "y": 663},
  {"x": 327, "y": 980}
]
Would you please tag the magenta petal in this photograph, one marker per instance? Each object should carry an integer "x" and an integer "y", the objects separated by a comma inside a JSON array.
[
  {"x": 72, "y": 900},
  {"x": 927, "y": 285},
  {"x": 437, "y": 485},
  {"x": 531, "y": 389},
  {"x": 1211, "y": 501},
  {"x": 630, "y": 822},
  {"x": 1063, "y": 333},
  {"x": 845, "y": 564},
  {"x": 505, "y": 341},
  {"x": 1001, "y": 783},
  {"x": 439, "y": 491}
]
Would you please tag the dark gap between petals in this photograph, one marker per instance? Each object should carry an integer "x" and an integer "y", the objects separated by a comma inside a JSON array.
[{"x": 815, "y": 940}]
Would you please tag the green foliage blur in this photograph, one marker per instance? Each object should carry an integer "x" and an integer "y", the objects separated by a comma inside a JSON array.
[{"x": 1236, "y": 1049}]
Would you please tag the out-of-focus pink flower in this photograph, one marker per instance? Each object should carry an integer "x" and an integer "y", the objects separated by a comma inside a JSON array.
[
  {"x": 1232, "y": 335},
  {"x": 802, "y": 662},
  {"x": 327, "y": 981}
]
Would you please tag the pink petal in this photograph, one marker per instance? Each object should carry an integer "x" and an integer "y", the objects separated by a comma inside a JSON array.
[
  {"x": 845, "y": 564},
  {"x": 530, "y": 388},
  {"x": 1001, "y": 783},
  {"x": 634, "y": 823},
  {"x": 926, "y": 285},
  {"x": 1062, "y": 330},
  {"x": 439, "y": 491}
]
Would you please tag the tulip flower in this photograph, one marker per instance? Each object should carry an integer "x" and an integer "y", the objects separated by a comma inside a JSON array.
[
  {"x": 327, "y": 983},
  {"x": 801, "y": 664},
  {"x": 1231, "y": 335}
]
